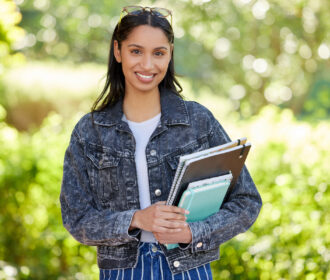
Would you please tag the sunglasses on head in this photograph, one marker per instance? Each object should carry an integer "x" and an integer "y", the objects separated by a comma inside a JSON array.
[{"x": 136, "y": 10}]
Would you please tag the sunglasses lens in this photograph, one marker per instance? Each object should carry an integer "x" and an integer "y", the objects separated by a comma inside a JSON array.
[
  {"x": 161, "y": 12},
  {"x": 133, "y": 10}
]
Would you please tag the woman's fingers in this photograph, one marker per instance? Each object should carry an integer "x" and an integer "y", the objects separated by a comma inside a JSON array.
[
  {"x": 173, "y": 209},
  {"x": 184, "y": 236},
  {"x": 168, "y": 227},
  {"x": 173, "y": 224},
  {"x": 170, "y": 212},
  {"x": 160, "y": 218},
  {"x": 171, "y": 216}
]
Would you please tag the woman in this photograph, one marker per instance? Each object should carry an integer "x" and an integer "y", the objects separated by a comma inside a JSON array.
[{"x": 121, "y": 160}]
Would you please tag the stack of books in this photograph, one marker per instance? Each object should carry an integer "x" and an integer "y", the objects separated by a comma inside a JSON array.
[{"x": 203, "y": 180}]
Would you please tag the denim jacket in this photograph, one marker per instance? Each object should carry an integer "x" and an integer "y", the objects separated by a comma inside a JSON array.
[{"x": 99, "y": 192}]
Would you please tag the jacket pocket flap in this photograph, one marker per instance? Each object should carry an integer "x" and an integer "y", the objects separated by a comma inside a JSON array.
[
  {"x": 173, "y": 161},
  {"x": 101, "y": 158}
]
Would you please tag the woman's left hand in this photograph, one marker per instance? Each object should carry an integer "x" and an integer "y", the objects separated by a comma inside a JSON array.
[{"x": 184, "y": 236}]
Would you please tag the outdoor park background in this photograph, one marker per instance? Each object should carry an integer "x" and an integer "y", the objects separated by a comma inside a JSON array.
[{"x": 262, "y": 67}]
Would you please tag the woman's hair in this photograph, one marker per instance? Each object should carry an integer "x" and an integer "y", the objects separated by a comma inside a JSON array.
[{"x": 114, "y": 88}]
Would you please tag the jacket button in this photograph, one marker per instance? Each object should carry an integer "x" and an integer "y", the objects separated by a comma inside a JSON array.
[
  {"x": 199, "y": 244},
  {"x": 176, "y": 264},
  {"x": 153, "y": 152},
  {"x": 154, "y": 249},
  {"x": 158, "y": 192}
]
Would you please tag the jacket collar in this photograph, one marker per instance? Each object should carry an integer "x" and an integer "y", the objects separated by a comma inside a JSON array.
[{"x": 173, "y": 111}]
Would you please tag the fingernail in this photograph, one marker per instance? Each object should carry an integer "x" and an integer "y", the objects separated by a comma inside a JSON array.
[{"x": 187, "y": 212}]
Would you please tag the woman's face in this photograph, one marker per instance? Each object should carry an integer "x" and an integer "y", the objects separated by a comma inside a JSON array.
[{"x": 144, "y": 56}]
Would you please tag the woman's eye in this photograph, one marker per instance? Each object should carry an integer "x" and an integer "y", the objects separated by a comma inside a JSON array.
[
  {"x": 159, "y": 54},
  {"x": 135, "y": 51}
]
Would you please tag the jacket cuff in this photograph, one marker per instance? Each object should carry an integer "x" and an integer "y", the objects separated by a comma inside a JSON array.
[
  {"x": 122, "y": 225},
  {"x": 184, "y": 246},
  {"x": 201, "y": 234},
  {"x": 134, "y": 233}
]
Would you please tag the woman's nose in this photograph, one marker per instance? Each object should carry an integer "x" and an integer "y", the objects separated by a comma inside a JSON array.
[{"x": 147, "y": 62}]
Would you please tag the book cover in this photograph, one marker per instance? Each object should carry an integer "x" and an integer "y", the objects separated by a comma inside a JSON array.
[
  {"x": 183, "y": 160},
  {"x": 210, "y": 165}
]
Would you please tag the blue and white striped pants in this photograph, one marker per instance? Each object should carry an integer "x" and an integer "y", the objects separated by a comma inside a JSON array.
[{"x": 152, "y": 265}]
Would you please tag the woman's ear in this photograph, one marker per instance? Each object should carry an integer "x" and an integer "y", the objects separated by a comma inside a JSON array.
[{"x": 116, "y": 51}]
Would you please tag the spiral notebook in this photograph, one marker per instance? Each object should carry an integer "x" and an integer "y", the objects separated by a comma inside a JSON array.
[{"x": 216, "y": 161}]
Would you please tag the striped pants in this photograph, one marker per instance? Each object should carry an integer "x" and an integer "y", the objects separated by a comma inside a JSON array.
[{"x": 152, "y": 265}]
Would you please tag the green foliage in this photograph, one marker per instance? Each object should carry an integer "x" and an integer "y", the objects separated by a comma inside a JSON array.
[
  {"x": 290, "y": 240},
  {"x": 10, "y": 33},
  {"x": 317, "y": 106},
  {"x": 291, "y": 237},
  {"x": 66, "y": 88},
  {"x": 34, "y": 244},
  {"x": 78, "y": 30},
  {"x": 255, "y": 52}
]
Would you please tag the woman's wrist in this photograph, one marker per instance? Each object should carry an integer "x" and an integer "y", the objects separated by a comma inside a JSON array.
[{"x": 134, "y": 222}]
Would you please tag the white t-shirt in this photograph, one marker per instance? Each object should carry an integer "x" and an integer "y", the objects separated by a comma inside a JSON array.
[{"x": 142, "y": 132}]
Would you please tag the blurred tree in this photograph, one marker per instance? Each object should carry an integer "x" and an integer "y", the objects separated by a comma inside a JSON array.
[
  {"x": 317, "y": 104},
  {"x": 9, "y": 34},
  {"x": 34, "y": 243},
  {"x": 255, "y": 51},
  {"x": 73, "y": 30}
]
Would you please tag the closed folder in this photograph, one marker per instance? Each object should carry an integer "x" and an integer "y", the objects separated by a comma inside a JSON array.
[
  {"x": 204, "y": 198},
  {"x": 209, "y": 164}
]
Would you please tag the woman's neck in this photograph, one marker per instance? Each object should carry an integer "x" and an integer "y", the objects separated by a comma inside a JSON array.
[{"x": 139, "y": 107}]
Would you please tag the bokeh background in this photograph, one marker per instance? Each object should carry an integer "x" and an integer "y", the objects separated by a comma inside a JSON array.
[{"x": 261, "y": 66}]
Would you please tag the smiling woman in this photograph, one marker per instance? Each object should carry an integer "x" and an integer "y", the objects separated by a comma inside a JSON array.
[
  {"x": 122, "y": 157},
  {"x": 145, "y": 56}
]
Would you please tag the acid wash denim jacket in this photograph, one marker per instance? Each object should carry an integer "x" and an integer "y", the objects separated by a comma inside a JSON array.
[{"x": 99, "y": 192}]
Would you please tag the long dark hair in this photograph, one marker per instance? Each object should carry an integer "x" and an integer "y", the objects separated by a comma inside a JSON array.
[{"x": 114, "y": 88}]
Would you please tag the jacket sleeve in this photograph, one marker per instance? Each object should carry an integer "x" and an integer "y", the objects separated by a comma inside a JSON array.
[
  {"x": 238, "y": 212},
  {"x": 87, "y": 223}
]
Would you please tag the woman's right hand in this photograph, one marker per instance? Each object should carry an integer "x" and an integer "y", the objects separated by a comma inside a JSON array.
[{"x": 160, "y": 218}]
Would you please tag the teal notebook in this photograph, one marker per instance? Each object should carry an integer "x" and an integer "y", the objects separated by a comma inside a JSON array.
[{"x": 204, "y": 198}]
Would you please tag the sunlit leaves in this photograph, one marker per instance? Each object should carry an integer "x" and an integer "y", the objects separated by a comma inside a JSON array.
[
  {"x": 288, "y": 41},
  {"x": 261, "y": 45},
  {"x": 10, "y": 33}
]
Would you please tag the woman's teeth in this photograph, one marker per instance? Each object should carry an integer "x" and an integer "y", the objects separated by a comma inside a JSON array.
[{"x": 144, "y": 76}]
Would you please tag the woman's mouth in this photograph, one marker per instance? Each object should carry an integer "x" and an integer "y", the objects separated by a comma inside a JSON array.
[{"x": 145, "y": 78}]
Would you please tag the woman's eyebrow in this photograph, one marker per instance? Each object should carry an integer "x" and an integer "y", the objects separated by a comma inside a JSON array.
[{"x": 138, "y": 46}]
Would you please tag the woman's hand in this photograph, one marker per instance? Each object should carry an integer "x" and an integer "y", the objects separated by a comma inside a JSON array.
[
  {"x": 183, "y": 236},
  {"x": 161, "y": 219}
]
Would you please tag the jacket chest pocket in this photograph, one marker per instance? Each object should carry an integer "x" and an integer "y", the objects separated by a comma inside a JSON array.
[
  {"x": 173, "y": 159},
  {"x": 103, "y": 173}
]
